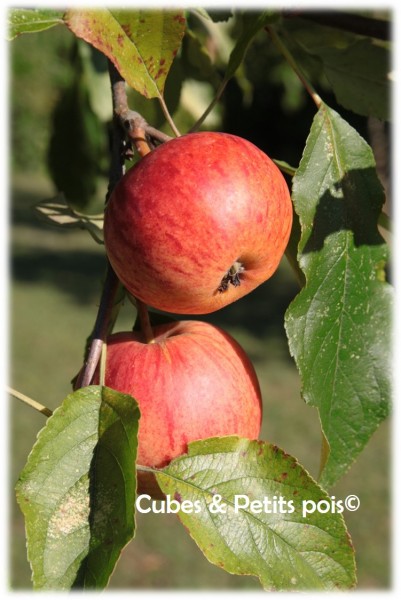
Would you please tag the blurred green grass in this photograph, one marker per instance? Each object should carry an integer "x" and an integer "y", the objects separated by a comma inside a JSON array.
[{"x": 56, "y": 282}]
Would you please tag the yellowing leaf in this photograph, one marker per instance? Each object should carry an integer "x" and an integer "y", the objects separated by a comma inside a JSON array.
[
  {"x": 140, "y": 43},
  {"x": 273, "y": 538}
]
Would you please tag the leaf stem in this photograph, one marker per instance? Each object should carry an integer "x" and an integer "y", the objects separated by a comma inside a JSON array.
[
  {"x": 103, "y": 360},
  {"x": 291, "y": 61},
  {"x": 211, "y": 106},
  {"x": 36, "y": 405},
  {"x": 285, "y": 167},
  {"x": 168, "y": 116}
]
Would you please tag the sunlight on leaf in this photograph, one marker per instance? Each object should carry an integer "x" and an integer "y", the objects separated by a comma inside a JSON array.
[
  {"x": 339, "y": 324},
  {"x": 25, "y": 20},
  {"x": 77, "y": 490},
  {"x": 285, "y": 548}
]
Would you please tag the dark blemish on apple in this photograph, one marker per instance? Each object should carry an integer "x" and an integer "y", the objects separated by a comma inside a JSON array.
[
  {"x": 232, "y": 276},
  {"x": 284, "y": 475},
  {"x": 120, "y": 40},
  {"x": 178, "y": 497}
]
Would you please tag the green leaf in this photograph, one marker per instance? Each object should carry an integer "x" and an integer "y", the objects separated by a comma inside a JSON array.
[
  {"x": 31, "y": 20},
  {"x": 314, "y": 36},
  {"x": 252, "y": 23},
  {"x": 58, "y": 212},
  {"x": 96, "y": 74},
  {"x": 284, "y": 548},
  {"x": 360, "y": 77},
  {"x": 357, "y": 69},
  {"x": 77, "y": 490},
  {"x": 78, "y": 144},
  {"x": 198, "y": 58},
  {"x": 142, "y": 43},
  {"x": 339, "y": 324},
  {"x": 285, "y": 167}
]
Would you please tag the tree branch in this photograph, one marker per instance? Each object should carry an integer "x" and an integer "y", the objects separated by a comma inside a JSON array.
[
  {"x": 135, "y": 127},
  {"x": 101, "y": 328},
  {"x": 126, "y": 124},
  {"x": 376, "y": 28},
  {"x": 111, "y": 283}
]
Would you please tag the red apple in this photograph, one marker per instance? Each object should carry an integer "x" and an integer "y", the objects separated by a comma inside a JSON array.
[
  {"x": 198, "y": 223},
  {"x": 191, "y": 382}
]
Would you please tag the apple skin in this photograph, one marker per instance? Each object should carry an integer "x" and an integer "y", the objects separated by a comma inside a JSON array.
[
  {"x": 192, "y": 382},
  {"x": 181, "y": 217}
]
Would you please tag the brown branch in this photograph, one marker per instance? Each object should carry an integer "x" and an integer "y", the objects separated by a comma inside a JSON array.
[
  {"x": 367, "y": 26},
  {"x": 138, "y": 131},
  {"x": 157, "y": 135},
  {"x": 119, "y": 144},
  {"x": 111, "y": 283},
  {"x": 128, "y": 127},
  {"x": 101, "y": 328}
]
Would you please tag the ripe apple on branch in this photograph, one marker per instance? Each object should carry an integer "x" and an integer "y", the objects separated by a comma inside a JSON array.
[
  {"x": 191, "y": 381},
  {"x": 198, "y": 223}
]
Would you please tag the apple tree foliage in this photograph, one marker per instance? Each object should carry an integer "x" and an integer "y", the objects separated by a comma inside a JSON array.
[{"x": 77, "y": 490}]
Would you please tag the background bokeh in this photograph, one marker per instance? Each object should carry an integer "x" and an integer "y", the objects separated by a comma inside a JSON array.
[{"x": 57, "y": 274}]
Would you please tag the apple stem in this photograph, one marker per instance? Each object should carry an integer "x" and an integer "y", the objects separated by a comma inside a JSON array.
[
  {"x": 146, "y": 327},
  {"x": 146, "y": 469}
]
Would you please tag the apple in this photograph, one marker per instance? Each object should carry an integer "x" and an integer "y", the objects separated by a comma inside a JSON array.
[
  {"x": 193, "y": 381},
  {"x": 198, "y": 223}
]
